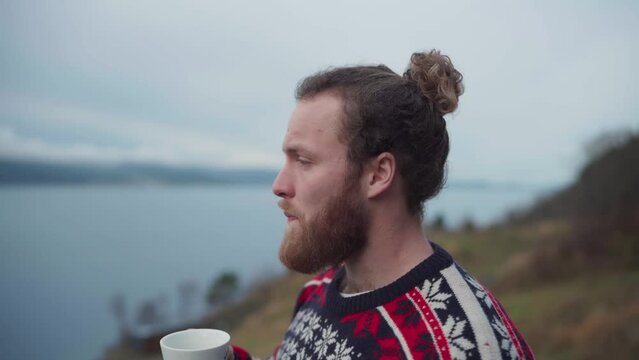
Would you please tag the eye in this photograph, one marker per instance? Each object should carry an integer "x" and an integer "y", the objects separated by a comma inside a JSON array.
[{"x": 303, "y": 161}]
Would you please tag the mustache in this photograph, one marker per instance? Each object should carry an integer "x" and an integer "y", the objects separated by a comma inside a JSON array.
[
  {"x": 286, "y": 207},
  {"x": 283, "y": 204}
]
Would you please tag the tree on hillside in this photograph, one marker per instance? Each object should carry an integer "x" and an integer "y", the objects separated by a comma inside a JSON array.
[
  {"x": 601, "y": 213},
  {"x": 602, "y": 143},
  {"x": 439, "y": 223},
  {"x": 118, "y": 308},
  {"x": 148, "y": 313},
  {"x": 187, "y": 291},
  {"x": 468, "y": 225},
  {"x": 605, "y": 187},
  {"x": 223, "y": 288}
]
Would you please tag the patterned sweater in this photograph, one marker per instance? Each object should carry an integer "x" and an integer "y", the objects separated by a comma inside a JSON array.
[{"x": 435, "y": 311}]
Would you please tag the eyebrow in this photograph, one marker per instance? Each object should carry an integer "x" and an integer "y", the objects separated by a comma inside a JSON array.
[{"x": 295, "y": 150}]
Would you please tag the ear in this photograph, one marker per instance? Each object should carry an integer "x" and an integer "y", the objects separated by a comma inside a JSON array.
[{"x": 380, "y": 174}]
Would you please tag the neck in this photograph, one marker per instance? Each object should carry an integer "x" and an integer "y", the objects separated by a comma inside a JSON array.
[{"x": 395, "y": 245}]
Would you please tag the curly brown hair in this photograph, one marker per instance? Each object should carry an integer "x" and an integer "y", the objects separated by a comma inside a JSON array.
[{"x": 403, "y": 115}]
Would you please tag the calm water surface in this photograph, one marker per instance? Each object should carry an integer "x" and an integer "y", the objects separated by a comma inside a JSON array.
[{"x": 65, "y": 251}]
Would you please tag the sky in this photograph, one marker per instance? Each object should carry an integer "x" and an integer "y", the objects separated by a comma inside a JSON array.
[{"x": 211, "y": 84}]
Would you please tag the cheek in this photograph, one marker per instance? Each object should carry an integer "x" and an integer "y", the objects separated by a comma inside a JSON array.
[
  {"x": 320, "y": 190},
  {"x": 321, "y": 182},
  {"x": 311, "y": 204}
]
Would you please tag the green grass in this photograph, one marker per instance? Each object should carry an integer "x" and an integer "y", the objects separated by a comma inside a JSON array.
[
  {"x": 261, "y": 331},
  {"x": 590, "y": 313},
  {"x": 557, "y": 319},
  {"x": 486, "y": 254},
  {"x": 567, "y": 318}
]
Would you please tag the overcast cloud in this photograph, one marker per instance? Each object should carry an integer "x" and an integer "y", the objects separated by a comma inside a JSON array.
[{"x": 211, "y": 84}]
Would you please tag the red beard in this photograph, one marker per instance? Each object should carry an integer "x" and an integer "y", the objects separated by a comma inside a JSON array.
[{"x": 336, "y": 233}]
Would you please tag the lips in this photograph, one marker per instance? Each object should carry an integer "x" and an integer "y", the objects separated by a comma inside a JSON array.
[{"x": 290, "y": 216}]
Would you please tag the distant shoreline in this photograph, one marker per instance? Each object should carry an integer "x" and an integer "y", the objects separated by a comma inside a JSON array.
[
  {"x": 15, "y": 172},
  {"x": 37, "y": 172}
]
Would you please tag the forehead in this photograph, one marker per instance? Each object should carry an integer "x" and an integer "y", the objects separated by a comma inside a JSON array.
[{"x": 315, "y": 124}]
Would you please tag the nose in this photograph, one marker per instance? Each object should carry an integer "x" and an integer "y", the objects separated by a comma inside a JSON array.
[{"x": 283, "y": 185}]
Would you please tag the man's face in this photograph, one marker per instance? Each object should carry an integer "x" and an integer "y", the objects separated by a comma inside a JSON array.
[{"x": 321, "y": 197}]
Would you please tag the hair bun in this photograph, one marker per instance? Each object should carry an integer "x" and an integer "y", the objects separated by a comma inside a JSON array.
[{"x": 437, "y": 79}]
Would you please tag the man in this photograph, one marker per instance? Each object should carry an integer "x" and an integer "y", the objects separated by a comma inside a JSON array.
[{"x": 365, "y": 148}]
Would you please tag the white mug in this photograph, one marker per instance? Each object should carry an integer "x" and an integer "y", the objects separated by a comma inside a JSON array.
[{"x": 195, "y": 344}]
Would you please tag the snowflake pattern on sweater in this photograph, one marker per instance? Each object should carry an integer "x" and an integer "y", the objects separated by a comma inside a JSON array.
[
  {"x": 435, "y": 311},
  {"x": 310, "y": 335}
]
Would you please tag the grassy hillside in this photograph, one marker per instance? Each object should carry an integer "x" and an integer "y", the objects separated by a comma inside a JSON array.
[
  {"x": 605, "y": 187},
  {"x": 585, "y": 316},
  {"x": 567, "y": 270}
]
